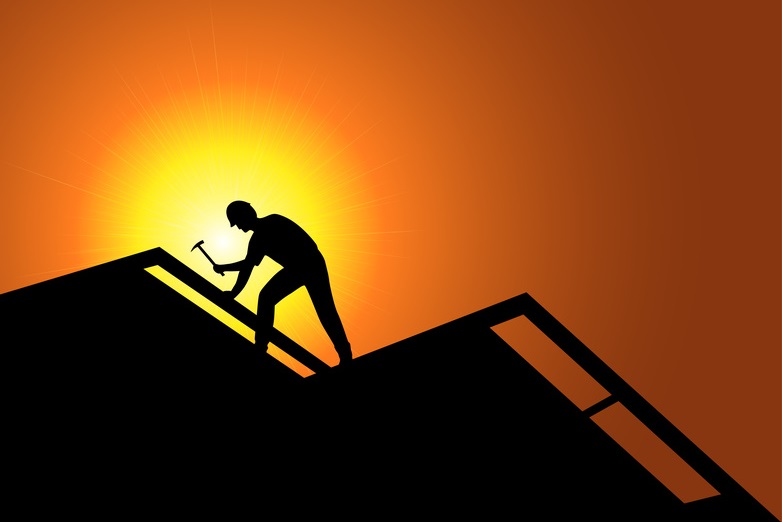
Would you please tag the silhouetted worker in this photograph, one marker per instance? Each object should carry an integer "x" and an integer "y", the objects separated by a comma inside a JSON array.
[{"x": 302, "y": 263}]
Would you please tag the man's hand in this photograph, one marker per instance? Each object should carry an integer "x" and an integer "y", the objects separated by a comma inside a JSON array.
[{"x": 219, "y": 269}]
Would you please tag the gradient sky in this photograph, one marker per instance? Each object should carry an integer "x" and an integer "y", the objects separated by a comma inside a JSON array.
[{"x": 619, "y": 161}]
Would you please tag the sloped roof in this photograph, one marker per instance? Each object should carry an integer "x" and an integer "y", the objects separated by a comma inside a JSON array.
[{"x": 111, "y": 365}]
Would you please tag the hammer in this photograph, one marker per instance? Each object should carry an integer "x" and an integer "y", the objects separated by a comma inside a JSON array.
[{"x": 199, "y": 247}]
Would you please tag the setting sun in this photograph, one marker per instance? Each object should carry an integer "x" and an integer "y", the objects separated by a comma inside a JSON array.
[{"x": 182, "y": 159}]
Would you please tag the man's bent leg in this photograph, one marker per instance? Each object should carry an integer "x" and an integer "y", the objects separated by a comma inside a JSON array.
[{"x": 282, "y": 284}]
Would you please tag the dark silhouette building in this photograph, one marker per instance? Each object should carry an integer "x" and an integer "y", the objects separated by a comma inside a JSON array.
[{"x": 120, "y": 390}]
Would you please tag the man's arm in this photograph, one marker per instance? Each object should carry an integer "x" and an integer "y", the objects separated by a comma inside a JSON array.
[
  {"x": 232, "y": 267},
  {"x": 244, "y": 267}
]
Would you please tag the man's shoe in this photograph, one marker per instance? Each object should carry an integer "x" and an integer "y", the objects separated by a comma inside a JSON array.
[{"x": 345, "y": 356}]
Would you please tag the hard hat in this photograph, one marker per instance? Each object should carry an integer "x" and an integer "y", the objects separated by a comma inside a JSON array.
[{"x": 238, "y": 210}]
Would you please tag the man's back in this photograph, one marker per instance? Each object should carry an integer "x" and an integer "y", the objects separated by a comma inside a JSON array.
[{"x": 282, "y": 240}]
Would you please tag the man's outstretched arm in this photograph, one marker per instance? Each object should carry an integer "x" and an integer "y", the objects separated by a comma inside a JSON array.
[
  {"x": 232, "y": 267},
  {"x": 244, "y": 267}
]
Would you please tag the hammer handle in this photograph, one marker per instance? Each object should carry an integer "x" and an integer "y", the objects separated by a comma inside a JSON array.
[{"x": 209, "y": 258}]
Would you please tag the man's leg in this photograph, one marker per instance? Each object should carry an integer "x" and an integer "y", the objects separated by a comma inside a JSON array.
[
  {"x": 282, "y": 284},
  {"x": 319, "y": 288}
]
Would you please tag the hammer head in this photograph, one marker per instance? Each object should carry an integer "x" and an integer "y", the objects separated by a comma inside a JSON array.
[{"x": 197, "y": 245}]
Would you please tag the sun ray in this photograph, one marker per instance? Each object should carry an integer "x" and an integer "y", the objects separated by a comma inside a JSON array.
[
  {"x": 275, "y": 84},
  {"x": 217, "y": 65},
  {"x": 61, "y": 182},
  {"x": 294, "y": 141}
]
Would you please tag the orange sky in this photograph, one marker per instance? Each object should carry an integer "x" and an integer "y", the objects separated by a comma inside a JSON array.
[{"x": 619, "y": 161}]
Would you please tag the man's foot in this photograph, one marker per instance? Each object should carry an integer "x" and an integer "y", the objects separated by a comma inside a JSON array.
[{"x": 345, "y": 356}]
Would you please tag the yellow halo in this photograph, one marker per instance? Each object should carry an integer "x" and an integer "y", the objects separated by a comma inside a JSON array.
[{"x": 181, "y": 161}]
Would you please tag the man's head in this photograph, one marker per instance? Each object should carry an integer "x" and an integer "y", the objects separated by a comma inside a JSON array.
[{"x": 241, "y": 214}]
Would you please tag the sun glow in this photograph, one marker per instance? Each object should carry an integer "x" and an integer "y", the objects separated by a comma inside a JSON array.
[{"x": 182, "y": 159}]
